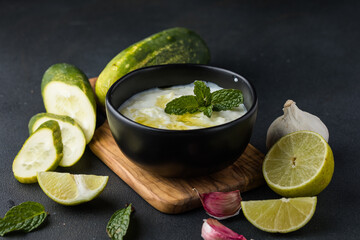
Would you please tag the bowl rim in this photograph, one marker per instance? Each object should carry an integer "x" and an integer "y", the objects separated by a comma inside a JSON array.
[{"x": 110, "y": 107}]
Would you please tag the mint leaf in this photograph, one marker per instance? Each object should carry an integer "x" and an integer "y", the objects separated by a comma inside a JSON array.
[
  {"x": 207, "y": 110},
  {"x": 26, "y": 217},
  {"x": 119, "y": 223},
  {"x": 204, "y": 101},
  {"x": 182, "y": 105},
  {"x": 202, "y": 93},
  {"x": 226, "y": 99}
]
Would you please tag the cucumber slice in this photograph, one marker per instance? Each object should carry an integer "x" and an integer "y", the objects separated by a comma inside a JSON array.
[
  {"x": 67, "y": 91},
  {"x": 42, "y": 151},
  {"x": 73, "y": 138}
]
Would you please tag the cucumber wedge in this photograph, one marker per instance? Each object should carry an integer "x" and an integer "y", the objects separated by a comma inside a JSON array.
[
  {"x": 73, "y": 138},
  {"x": 42, "y": 151},
  {"x": 67, "y": 91}
]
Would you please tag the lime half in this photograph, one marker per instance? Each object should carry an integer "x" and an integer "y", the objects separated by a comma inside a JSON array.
[
  {"x": 300, "y": 164},
  {"x": 69, "y": 189},
  {"x": 280, "y": 215}
]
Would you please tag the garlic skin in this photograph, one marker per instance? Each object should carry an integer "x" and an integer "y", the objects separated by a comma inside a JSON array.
[
  {"x": 214, "y": 230},
  {"x": 221, "y": 205},
  {"x": 294, "y": 120}
]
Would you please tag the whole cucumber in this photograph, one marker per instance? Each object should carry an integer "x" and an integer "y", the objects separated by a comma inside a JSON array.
[{"x": 175, "y": 45}]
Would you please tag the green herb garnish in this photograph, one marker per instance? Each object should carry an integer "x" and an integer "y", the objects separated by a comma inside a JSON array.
[
  {"x": 119, "y": 223},
  {"x": 26, "y": 217},
  {"x": 204, "y": 101}
]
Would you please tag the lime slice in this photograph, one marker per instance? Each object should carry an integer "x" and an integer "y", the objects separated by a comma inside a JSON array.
[
  {"x": 42, "y": 151},
  {"x": 73, "y": 138},
  {"x": 67, "y": 91},
  {"x": 280, "y": 215},
  {"x": 69, "y": 189},
  {"x": 300, "y": 164}
]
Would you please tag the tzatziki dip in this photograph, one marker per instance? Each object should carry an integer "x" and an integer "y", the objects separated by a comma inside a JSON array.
[{"x": 147, "y": 108}]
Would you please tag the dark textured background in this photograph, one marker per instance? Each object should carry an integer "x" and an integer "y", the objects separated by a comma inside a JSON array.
[{"x": 304, "y": 50}]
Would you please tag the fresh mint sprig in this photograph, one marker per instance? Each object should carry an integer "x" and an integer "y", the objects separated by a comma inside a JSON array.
[{"x": 205, "y": 101}]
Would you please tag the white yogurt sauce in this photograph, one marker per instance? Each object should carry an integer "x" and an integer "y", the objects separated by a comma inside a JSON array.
[{"x": 147, "y": 108}]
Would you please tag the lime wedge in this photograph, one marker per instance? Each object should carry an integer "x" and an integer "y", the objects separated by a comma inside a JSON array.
[
  {"x": 280, "y": 215},
  {"x": 42, "y": 151},
  {"x": 300, "y": 164},
  {"x": 71, "y": 189}
]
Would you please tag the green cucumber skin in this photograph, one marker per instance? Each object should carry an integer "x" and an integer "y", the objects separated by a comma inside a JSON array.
[
  {"x": 56, "y": 132},
  {"x": 71, "y": 75},
  {"x": 38, "y": 116},
  {"x": 175, "y": 45}
]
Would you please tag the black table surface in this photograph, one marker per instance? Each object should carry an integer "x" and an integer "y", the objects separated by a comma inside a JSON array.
[{"x": 307, "y": 51}]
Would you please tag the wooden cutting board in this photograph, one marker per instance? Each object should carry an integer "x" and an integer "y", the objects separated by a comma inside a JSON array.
[{"x": 176, "y": 195}]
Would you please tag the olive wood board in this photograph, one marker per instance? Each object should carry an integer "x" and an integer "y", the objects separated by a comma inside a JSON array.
[{"x": 176, "y": 195}]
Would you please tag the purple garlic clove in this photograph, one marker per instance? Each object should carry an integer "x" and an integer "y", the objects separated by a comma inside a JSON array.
[
  {"x": 214, "y": 230},
  {"x": 221, "y": 205}
]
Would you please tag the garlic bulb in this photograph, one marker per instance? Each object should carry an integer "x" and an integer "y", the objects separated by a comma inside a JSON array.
[
  {"x": 221, "y": 205},
  {"x": 214, "y": 230},
  {"x": 293, "y": 120}
]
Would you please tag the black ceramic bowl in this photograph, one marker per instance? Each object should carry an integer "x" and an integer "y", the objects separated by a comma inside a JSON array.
[{"x": 180, "y": 153}]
